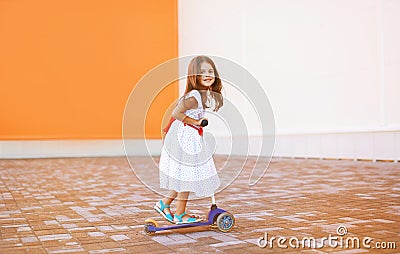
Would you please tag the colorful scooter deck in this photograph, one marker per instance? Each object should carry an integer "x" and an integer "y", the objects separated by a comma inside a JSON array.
[{"x": 225, "y": 223}]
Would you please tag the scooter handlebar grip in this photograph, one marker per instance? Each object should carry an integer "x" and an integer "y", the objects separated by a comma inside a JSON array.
[{"x": 204, "y": 123}]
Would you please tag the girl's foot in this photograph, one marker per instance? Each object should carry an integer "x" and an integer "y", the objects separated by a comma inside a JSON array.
[
  {"x": 196, "y": 216},
  {"x": 164, "y": 210},
  {"x": 185, "y": 218}
]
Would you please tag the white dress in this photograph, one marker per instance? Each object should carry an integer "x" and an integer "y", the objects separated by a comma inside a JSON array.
[{"x": 186, "y": 163}]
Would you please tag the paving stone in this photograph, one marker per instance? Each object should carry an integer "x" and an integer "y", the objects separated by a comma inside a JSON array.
[{"x": 98, "y": 205}]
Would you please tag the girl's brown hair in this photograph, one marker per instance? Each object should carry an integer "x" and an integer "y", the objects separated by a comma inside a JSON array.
[{"x": 194, "y": 83}]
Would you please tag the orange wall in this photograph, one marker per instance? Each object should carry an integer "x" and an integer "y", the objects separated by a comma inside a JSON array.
[{"x": 67, "y": 67}]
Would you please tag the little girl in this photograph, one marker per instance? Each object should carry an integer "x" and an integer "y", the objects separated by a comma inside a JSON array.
[{"x": 186, "y": 164}]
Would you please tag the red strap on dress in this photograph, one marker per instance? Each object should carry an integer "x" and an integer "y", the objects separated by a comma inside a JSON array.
[
  {"x": 199, "y": 129},
  {"x": 166, "y": 129}
]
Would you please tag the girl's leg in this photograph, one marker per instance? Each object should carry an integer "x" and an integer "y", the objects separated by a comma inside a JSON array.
[
  {"x": 182, "y": 198},
  {"x": 168, "y": 200}
]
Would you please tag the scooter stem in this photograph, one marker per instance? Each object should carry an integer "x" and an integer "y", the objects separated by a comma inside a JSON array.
[
  {"x": 213, "y": 199},
  {"x": 213, "y": 203}
]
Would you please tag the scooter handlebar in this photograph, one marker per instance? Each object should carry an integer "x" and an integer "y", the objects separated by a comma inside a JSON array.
[{"x": 204, "y": 123}]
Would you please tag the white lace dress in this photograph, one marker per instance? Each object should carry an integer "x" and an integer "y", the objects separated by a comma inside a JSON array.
[{"x": 186, "y": 163}]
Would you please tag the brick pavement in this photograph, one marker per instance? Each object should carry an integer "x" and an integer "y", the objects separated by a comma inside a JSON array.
[{"x": 97, "y": 205}]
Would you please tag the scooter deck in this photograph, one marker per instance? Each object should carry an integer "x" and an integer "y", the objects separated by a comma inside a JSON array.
[{"x": 210, "y": 221}]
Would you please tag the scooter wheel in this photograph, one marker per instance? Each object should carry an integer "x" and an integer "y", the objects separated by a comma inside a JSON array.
[
  {"x": 148, "y": 224},
  {"x": 225, "y": 221}
]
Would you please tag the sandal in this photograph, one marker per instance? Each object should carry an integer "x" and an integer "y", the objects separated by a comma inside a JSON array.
[
  {"x": 178, "y": 219},
  {"x": 160, "y": 210}
]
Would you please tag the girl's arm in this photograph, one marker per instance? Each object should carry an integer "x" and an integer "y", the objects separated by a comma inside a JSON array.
[{"x": 183, "y": 105}]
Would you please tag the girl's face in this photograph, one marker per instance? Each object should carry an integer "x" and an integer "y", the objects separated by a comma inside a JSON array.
[{"x": 206, "y": 74}]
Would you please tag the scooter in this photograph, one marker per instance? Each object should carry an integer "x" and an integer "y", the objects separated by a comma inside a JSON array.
[{"x": 217, "y": 217}]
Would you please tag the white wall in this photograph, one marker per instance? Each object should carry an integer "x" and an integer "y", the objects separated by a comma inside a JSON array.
[
  {"x": 329, "y": 68},
  {"x": 16, "y": 149}
]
